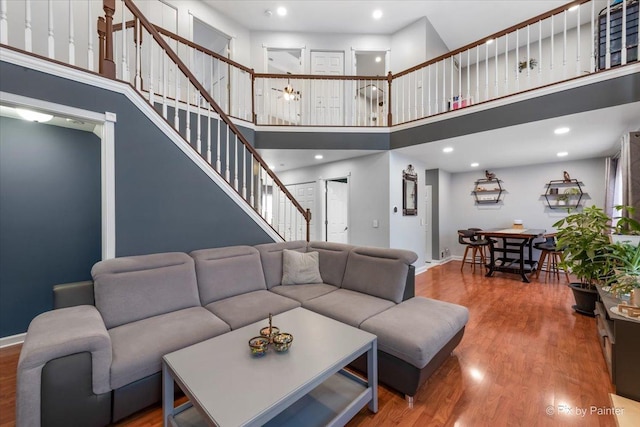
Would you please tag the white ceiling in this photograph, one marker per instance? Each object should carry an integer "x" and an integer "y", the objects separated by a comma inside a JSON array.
[{"x": 458, "y": 22}]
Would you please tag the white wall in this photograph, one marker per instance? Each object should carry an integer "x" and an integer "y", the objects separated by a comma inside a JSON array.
[
  {"x": 406, "y": 232},
  {"x": 368, "y": 195},
  {"x": 446, "y": 207},
  {"x": 313, "y": 41},
  {"x": 409, "y": 46},
  {"x": 523, "y": 199}
]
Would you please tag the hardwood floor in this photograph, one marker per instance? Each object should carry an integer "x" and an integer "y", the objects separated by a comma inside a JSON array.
[{"x": 525, "y": 360}]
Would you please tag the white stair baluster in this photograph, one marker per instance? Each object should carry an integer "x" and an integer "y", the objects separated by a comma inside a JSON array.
[
  {"x": 437, "y": 103},
  {"x": 608, "y": 38},
  {"x": 165, "y": 84},
  {"x": 218, "y": 163},
  {"x": 593, "y": 38},
  {"x": 496, "y": 78},
  {"x": 623, "y": 52},
  {"x": 235, "y": 163},
  {"x": 152, "y": 66},
  {"x": 564, "y": 45},
  {"x": 209, "y": 133},
  {"x": 486, "y": 72},
  {"x": 252, "y": 200},
  {"x": 539, "y": 52},
  {"x": 460, "y": 80},
  {"x": 528, "y": 56},
  {"x": 578, "y": 67},
  {"x": 468, "y": 95},
  {"x": 72, "y": 43},
  {"x": 90, "y": 36},
  {"x": 478, "y": 73},
  {"x": 429, "y": 91},
  {"x": 227, "y": 171},
  {"x": 125, "y": 68},
  {"x": 518, "y": 61},
  {"x": 506, "y": 64},
  {"x": 28, "y": 42},
  {"x": 188, "y": 116},
  {"x": 553, "y": 47},
  {"x": 198, "y": 124},
  {"x": 50, "y": 40},
  {"x": 244, "y": 173},
  {"x": 138, "y": 77}
]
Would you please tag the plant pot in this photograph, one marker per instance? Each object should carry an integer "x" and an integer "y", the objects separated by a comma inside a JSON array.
[{"x": 585, "y": 299}]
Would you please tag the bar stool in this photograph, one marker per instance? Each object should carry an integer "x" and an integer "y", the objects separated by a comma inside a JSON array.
[
  {"x": 470, "y": 239},
  {"x": 550, "y": 253}
]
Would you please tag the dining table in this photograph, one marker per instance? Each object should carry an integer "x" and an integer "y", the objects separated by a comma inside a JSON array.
[{"x": 514, "y": 254}]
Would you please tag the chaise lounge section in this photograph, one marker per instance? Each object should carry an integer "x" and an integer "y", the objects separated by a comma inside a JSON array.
[{"x": 95, "y": 363}]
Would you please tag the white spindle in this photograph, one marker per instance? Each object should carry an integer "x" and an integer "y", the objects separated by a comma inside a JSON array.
[
  {"x": 506, "y": 63},
  {"x": 165, "y": 83},
  {"x": 578, "y": 67},
  {"x": 460, "y": 80},
  {"x": 478, "y": 73},
  {"x": 90, "y": 36},
  {"x": 252, "y": 200},
  {"x": 486, "y": 72},
  {"x": 198, "y": 124},
  {"x": 468, "y": 76},
  {"x": 152, "y": 66},
  {"x": 518, "y": 61},
  {"x": 528, "y": 55},
  {"x": 28, "y": 43},
  {"x": 539, "y": 52},
  {"x": 138, "y": 77},
  {"x": 72, "y": 43},
  {"x": 437, "y": 109},
  {"x": 496, "y": 78},
  {"x": 593, "y": 38},
  {"x": 4, "y": 30},
  {"x": 444, "y": 85},
  {"x": 553, "y": 47},
  {"x": 623, "y": 52},
  {"x": 125, "y": 69},
  {"x": 50, "y": 39},
  {"x": 244, "y": 173},
  {"x": 209, "y": 132},
  {"x": 453, "y": 64},
  {"x": 235, "y": 160},
  {"x": 176, "y": 118},
  {"x": 564, "y": 45},
  {"x": 429, "y": 90},
  {"x": 188, "y": 113},
  {"x": 218, "y": 163},
  {"x": 421, "y": 92},
  {"x": 608, "y": 38},
  {"x": 227, "y": 172},
  {"x": 402, "y": 92}
]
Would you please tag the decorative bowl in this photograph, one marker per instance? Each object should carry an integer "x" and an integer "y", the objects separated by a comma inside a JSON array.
[
  {"x": 258, "y": 346},
  {"x": 282, "y": 341},
  {"x": 269, "y": 332}
]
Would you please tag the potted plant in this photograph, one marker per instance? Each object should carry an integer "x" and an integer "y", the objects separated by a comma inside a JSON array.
[
  {"x": 584, "y": 238},
  {"x": 625, "y": 260},
  {"x": 626, "y": 229}
]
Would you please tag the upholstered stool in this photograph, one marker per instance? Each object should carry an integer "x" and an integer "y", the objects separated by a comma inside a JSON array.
[{"x": 550, "y": 253}]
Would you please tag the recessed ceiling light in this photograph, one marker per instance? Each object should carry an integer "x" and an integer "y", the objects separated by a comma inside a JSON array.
[
  {"x": 377, "y": 14},
  {"x": 318, "y": 157},
  {"x": 489, "y": 41},
  {"x": 562, "y": 154},
  {"x": 33, "y": 116},
  {"x": 268, "y": 13},
  {"x": 475, "y": 165},
  {"x": 574, "y": 7},
  {"x": 282, "y": 11},
  {"x": 447, "y": 149},
  {"x": 561, "y": 131},
  {"x": 272, "y": 167},
  {"x": 378, "y": 59}
]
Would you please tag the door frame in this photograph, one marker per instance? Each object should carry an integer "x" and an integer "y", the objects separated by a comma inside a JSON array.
[
  {"x": 324, "y": 228},
  {"x": 107, "y": 121}
]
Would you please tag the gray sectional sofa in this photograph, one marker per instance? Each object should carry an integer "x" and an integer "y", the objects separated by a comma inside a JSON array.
[{"x": 96, "y": 358}]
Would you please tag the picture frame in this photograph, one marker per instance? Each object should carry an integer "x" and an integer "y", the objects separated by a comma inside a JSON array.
[{"x": 409, "y": 192}]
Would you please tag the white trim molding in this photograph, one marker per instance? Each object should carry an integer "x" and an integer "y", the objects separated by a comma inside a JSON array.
[{"x": 12, "y": 340}]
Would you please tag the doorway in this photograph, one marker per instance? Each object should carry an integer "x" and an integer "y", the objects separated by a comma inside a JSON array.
[
  {"x": 336, "y": 210},
  {"x": 213, "y": 74},
  {"x": 428, "y": 219},
  {"x": 327, "y": 96}
]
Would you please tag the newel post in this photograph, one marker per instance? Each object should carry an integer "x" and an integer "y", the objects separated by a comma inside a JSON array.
[{"x": 107, "y": 66}]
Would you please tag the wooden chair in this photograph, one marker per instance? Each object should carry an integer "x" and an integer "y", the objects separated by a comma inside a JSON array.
[
  {"x": 550, "y": 253},
  {"x": 473, "y": 241}
]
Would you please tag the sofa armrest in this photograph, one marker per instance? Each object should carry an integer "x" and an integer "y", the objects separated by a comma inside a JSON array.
[
  {"x": 72, "y": 294},
  {"x": 56, "y": 334},
  {"x": 410, "y": 285}
]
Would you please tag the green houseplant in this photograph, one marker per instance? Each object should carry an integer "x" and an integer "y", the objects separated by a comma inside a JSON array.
[
  {"x": 625, "y": 262},
  {"x": 584, "y": 237},
  {"x": 627, "y": 229}
]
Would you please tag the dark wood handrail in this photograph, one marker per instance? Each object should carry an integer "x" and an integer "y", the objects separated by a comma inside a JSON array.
[
  {"x": 194, "y": 81},
  {"x": 497, "y": 35},
  {"x": 316, "y": 77}
]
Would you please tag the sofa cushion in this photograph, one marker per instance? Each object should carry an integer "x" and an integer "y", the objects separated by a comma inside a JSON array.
[
  {"x": 138, "y": 347},
  {"x": 271, "y": 257},
  {"x": 226, "y": 272},
  {"x": 347, "y": 306},
  {"x": 300, "y": 268},
  {"x": 333, "y": 260},
  {"x": 137, "y": 287},
  {"x": 241, "y": 310},
  {"x": 417, "y": 329},
  {"x": 378, "y": 272},
  {"x": 302, "y": 293}
]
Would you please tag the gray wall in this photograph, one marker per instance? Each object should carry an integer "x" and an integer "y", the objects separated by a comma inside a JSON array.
[
  {"x": 164, "y": 202},
  {"x": 49, "y": 215}
]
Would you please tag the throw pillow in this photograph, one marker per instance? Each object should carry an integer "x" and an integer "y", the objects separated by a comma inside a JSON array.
[{"x": 300, "y": 268}]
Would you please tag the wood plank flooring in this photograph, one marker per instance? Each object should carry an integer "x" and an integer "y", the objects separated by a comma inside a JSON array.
[{"x": 525, "y": 360}]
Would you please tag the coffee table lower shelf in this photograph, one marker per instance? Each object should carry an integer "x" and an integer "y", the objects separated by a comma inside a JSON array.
[{"x": 332, "y": 403}]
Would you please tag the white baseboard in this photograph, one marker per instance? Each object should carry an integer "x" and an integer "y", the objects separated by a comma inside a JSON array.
[{"x": 12, "y": 340}]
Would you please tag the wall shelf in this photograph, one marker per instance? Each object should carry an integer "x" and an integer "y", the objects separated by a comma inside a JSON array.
[
  {"x": 564, "y": 194},
  {"x": 488, "y": 191}
]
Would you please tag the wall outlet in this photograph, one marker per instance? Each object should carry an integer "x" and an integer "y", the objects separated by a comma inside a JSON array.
[
  {"x": 375, "y": 223},
  {"x": 441, "y": 254}
]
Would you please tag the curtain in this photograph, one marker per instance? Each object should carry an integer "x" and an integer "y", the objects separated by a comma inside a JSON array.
[{"x": 610, "y": 174}]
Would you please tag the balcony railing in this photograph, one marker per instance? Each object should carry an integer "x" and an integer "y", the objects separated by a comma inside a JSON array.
[{"x": 575, "y": 40}]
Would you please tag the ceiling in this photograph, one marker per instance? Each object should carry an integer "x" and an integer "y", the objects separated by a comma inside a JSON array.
[{"x": 458, "y": 22}]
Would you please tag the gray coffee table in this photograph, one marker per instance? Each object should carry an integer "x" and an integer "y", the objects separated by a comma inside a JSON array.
[{"x": 306, "y": 385}]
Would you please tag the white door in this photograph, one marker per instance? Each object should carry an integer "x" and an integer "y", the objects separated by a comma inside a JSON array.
[
  {"x": 337, "y": 213},
  {"x": 213, "y": 74},
  {"x": 305, "y": 194},
  {"x": 327, "y": 96}
]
